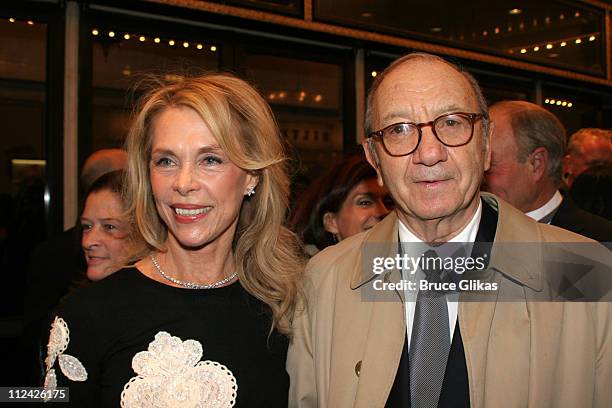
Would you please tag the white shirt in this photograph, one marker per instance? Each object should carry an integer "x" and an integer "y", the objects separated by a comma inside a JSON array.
[
  {"x": 468, "y": 234},
  {"x": 550, "y": 206}
]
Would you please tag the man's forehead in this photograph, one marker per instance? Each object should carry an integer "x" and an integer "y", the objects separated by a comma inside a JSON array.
[
  {"x": 424, "y": 85},
  {"x": 422, "y": 75}
]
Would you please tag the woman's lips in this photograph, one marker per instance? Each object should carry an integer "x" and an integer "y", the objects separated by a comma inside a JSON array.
[
  {"x": 187, "y": 213},
  {"x": 95, "y": 260}
]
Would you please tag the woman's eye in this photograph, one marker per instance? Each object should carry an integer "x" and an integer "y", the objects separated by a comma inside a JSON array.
[
  {"x": 212, "y": 160},
  {"x": 164, "y": 162},
  {"x": 85, "y": 227},
  {"x": 109, "y": 227},
  {"x": 364, "y": 202}
]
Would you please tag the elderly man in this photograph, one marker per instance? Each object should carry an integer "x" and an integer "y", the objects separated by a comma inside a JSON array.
[
  {"x": 587, "y": 147},
  {"x": 428, "y": 139},
  {"x": 527, "y": 147}
]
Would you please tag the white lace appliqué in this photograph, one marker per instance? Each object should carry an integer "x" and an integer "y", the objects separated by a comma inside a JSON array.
[
  {"x": 70, "y": 366},
  {"x": 170, "y": 375}
]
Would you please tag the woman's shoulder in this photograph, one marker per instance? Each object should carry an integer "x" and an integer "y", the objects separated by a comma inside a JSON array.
[{"x": 122, "y": 283}]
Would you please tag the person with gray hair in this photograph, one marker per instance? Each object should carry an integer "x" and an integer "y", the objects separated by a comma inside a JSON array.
[
  {"x": 381, "y": 328},
  {"x": 527, "y": 148},
  {"x": 587, "y": 147},
  {"x": 101, "y": 162}
]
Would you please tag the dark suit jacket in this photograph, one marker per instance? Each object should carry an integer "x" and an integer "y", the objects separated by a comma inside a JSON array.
[{"x": 570, "y": 217}]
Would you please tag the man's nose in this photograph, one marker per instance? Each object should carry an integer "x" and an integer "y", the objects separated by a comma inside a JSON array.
[{"x": 430, "y": 151}]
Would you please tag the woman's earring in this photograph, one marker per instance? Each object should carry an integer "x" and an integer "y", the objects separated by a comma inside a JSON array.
[{"x": 250, "y": 191}]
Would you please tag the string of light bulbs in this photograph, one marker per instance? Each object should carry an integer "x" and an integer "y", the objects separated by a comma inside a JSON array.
[{"x": 156, "y": 40}]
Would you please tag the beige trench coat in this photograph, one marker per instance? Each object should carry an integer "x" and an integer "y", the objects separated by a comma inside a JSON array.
[{"x": 345, "y": 351}]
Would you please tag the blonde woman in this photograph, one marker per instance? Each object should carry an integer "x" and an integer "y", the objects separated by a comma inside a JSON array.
[{"x": 203, "y": 317}]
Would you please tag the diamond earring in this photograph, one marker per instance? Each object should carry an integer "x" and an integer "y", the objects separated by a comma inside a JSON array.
[{"x": 250, "y": 191}]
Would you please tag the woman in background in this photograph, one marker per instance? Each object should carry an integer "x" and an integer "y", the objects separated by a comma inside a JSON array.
[
  {"x": 202, "y": 318},
  {"x": 342, "y": 202},
  {"x": 104, "y": 228}
]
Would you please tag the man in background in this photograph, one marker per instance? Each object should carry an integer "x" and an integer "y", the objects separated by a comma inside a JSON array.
[
  {"x": 527, "y": 148},
  {"x": 587, "y": 147}
]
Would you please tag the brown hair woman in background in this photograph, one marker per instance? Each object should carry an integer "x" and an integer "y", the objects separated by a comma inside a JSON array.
[{"x": 340, "y": 203}]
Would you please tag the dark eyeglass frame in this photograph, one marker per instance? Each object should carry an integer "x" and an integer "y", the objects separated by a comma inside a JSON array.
[{"x": 472, "y": 117}]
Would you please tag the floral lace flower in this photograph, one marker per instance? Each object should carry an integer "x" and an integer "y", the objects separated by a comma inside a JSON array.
[
  {"x": 71, "y": 367},
  {"x": 171, "y": 375}
]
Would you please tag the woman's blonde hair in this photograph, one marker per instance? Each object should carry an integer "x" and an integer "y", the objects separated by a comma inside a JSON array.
[{"x": 266, "y": 253}]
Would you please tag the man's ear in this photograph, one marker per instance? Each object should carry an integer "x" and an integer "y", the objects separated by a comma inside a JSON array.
[
  {"x": 330, "y": 224},
  {"x": 538, "y": 160},
  {"x": 372, "y": 158}
]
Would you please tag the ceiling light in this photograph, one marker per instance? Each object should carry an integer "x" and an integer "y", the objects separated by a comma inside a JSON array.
[
  {"x": 156, "y": 40},
  {"x": 563, "y": 43},
  {"x": 536, "y": 48},
  {"x": 547, "y": 100},
  {"x": 12, "y": 20},
  {"x": 515, "y": 11},
  {"x": 569, "y": 104},
  {"x": 523, "y": 51},
  {"x": 171, "y": 43},
  {"x": 142, "y": 38},
  {"x": 559, "y": 103},
  {"x": 374, "y": 73},
  {"x": 577, "y": 14},
  {"x": 199, "y": 46},
  {"x": 30, "y": 22},
  {"x": 592, "y": 38},
  {"x": 552, "y": 101},
  {"x": 111, "y": 34},
  {"x": 186, "y": 44},
  {"x": 95, "y": 32},
  {"x": 549, "y": 46},
  {"x": 213, "y": 48},
  {"x": 366, "y": 14},
  {"x": 126, "y": 36},
  {"x": 436, "y": 29},
  {"x": 496, "y": 30},
  {"x": 563, "y": 103},
  {"x": 578, "y": 40}
]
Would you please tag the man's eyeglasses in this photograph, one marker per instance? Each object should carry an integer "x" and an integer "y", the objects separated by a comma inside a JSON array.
[{"x": 452, "y": 130}]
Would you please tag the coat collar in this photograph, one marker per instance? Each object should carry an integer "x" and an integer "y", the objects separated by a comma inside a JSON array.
[{"x": 513, "y": 227}]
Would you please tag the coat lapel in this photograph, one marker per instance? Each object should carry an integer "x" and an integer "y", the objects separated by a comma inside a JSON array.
[
  {"x": 385, "y": 331},
  {"x": 496, "y": 334}
]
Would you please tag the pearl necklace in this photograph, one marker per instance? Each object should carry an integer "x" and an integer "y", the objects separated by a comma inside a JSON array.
[{"x": 191, "y": 285}]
